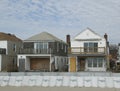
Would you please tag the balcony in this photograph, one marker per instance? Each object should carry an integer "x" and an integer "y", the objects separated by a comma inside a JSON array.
[
  {"x": 2, "y": 51},
  {"x": 36, "y": 51},
  {"x": 87, "y": 50}
]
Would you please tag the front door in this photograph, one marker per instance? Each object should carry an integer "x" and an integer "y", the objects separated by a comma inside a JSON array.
[
  {"x": 21, "y": 65},
  {"x": 82, "y": 64}
]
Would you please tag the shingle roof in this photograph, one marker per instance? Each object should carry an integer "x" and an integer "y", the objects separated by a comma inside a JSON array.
[
  {"x": 8, "y": 37},
  {"x": 44, "y": 36}
]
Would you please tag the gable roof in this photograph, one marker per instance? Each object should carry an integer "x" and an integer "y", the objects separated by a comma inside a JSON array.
[
  {"x": 88, "y": 34},
  {"x": 9, "y": 37},
  {"x": 44, "y": 36}
]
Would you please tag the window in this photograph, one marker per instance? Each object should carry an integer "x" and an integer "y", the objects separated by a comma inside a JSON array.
[
  {"x": 100, "y": 62},
  {"x": 90, "y": 47},
  {"x": 14, "y": 47},
  {"x": 95, "y": 62},
  {"x": 41, "y": 45},
  {"x": 89, "y": 63}
]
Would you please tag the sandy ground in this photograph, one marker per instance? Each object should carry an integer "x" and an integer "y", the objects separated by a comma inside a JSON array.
[{"x": 55, "y": 89}]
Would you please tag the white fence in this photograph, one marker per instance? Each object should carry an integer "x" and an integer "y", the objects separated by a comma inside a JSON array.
[{"x": 68, "y": 81}]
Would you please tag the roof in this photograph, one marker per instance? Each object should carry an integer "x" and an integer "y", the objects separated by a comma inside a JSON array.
[
  {"x": 44, "y": 36},
  {"x": 8, "y": 37},
  {"x": 88, "y": 34}
]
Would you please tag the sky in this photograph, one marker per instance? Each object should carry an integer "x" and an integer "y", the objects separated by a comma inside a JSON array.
[{"x": 25, "y": 18}]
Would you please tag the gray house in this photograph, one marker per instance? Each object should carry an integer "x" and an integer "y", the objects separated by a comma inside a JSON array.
[
  {"x": 43, "y": 52},
  {"x": 9, "y": 47}
]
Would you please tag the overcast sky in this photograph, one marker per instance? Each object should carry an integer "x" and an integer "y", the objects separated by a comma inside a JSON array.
[{"x": 25, "y": 18}]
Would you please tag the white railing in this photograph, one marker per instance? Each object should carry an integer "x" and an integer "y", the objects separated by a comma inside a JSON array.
[{"x": 87, "y": 50}]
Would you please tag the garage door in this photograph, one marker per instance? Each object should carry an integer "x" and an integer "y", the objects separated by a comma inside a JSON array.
[{"x": 39, "y": 63}]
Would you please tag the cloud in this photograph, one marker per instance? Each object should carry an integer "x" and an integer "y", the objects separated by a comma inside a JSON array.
[{"x": 66, "y": 16}]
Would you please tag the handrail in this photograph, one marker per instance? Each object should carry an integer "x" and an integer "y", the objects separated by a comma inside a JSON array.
[
  {"x": 35, "y": 51},
  {"x": 87, "y": 50}
]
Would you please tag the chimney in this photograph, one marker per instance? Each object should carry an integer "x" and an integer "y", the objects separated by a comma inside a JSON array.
[
  {"x": 106, "y": 37},
  {"x": 68, "y": 40},
  {"x": 107, "y": 51}
]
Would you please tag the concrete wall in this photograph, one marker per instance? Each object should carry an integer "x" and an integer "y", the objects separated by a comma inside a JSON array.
[{"x": 104, "y": 80}]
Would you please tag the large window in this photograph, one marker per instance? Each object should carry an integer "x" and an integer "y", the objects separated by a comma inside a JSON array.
[
  {"x": 95, "y": 62},
  {"x": 100, "y": 62},
  {"x": 90, "y": 47},
  {"x": 89, "y": 63},
  {"x": 41, "y": 45}
]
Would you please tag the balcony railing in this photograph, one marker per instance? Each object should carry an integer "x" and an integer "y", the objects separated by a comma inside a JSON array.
[
  {"x": 87, "y": 50},
  {"x": 2, "y": 51},
  {"x": 36, "y": 51}
]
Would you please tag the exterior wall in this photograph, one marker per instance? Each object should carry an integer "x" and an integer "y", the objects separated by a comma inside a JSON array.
[
  {"x": 61, "y": 63},
  {"x": 13, "y": 47},
  {"x": 57, "y": 63},
  {"x": 101, "y": 43},
  {"x": 7, "y": 63},
  {"x": 9, "y": 60},
  {"x": 27, "y": 59},
  {"x": 60, "y": 49}
]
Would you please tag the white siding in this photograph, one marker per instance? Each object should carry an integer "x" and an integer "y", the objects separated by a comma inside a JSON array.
[
  {"x": 101, "y": 43},
  {"x": 87, "y": 34},
  {"x": 3, "y": 44}
]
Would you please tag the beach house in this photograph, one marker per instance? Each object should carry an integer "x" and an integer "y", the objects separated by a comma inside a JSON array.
[
  {"x": 88, "y": 51},
  {"x": 9, "y": 47},
  {"x": 43, "y": 52}
]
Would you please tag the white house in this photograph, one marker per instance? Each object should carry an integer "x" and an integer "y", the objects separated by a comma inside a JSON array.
[
  {"x": 88, "y": 52},
  {"x": 9, "y": 47},
  {"x": 43, "y": 52}
]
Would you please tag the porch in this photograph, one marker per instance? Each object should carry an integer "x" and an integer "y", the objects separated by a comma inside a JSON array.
[
  {"x": 87, "y": 50},
  {"x": 36, "y": 51},
  {"x": 82, "y": 63}
]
